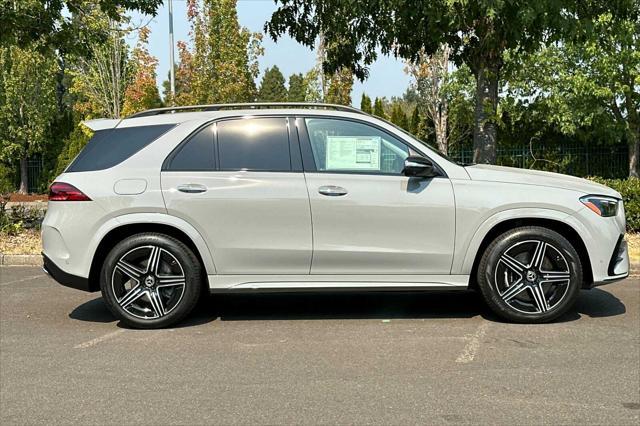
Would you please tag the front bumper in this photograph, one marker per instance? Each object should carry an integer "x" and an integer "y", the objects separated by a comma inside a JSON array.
[
  {"x": 618, "y": 265},
  {"x": 64, "y": 278}
]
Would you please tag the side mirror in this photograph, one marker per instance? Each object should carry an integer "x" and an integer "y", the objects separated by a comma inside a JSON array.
[{"x": 415, "y": 166}]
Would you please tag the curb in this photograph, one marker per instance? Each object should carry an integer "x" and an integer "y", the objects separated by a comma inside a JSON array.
[{"x": 20, "y": 260}]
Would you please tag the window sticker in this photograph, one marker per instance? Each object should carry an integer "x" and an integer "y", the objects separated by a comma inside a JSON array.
[{"x": 353, "y": 153}]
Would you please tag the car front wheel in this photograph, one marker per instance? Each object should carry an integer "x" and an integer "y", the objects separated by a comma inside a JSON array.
[
  {"x": 151, "y": 280},
  {"x": 530, "y": 275}
]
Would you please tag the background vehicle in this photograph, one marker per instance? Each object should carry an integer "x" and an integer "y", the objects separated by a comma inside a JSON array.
[{"x": 293, "y": 197}]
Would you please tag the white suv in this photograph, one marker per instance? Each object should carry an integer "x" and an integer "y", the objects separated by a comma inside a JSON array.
[{"x": 294, "y": 197}]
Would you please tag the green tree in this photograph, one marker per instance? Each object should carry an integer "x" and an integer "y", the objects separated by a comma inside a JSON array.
[
  {"x": 223, "y": 64},
  {"x": 365, "y": 104},
  {"x": 99, "y": 81},
  {"x": 591, "y": 83},
  {"x": 27, "y": 105},
  {"x": 430, "y": 76},
  {"x": 414, "y": 122},
  {"x": 272, "y": 88},
  {"x": 398, "y": 117},
  {"x": 142, "y": 92},
  {"x": 460, "y": 93},
  {"x": 340, "y": 86},
  {"x": 479, "y": 33},
  {"x": 64, "y": 25},
  {"x": 297, "y": 88},
  {"x": 313, "y": 85},
  {"x": 378, "y": 108}
]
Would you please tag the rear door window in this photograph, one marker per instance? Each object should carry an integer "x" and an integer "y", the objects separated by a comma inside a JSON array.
[
  {"x": 260, "y": 144},
  {"x": 196, "y": 154},
  {"x": 110, "y": 147}
]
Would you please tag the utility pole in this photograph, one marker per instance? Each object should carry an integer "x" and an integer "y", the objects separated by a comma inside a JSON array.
[{"x": 172, "y": 76}]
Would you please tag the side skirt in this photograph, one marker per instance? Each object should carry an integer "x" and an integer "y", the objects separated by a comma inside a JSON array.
[{"x": 248, "y": 283}]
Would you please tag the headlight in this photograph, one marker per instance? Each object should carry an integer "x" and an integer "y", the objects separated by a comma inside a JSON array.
[{"x": 603, "y": 206}]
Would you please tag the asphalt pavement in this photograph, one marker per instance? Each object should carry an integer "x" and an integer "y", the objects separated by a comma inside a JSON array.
[{"x": 352, "y": 358}]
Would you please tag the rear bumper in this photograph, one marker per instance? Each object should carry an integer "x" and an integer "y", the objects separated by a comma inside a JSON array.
[{"x": 64, "y": 278}]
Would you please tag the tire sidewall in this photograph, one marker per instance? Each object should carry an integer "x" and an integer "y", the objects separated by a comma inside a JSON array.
[
  {"x": 190, "y": 266},
  {"x": 508, "y": 239}
]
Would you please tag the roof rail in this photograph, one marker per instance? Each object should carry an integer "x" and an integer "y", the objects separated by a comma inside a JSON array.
[{"x": 254, "y": 105}]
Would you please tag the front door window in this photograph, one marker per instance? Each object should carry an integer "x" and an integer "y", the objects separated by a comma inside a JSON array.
[{"x": 348, "y": 146}]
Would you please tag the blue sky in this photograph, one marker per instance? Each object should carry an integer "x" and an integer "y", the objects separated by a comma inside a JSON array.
[{"x": 387, "y": 77}]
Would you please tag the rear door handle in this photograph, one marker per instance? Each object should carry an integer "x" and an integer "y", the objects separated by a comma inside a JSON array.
[
  {"x": 332, "y": 190},
  {"x": 192, "y": 188}
]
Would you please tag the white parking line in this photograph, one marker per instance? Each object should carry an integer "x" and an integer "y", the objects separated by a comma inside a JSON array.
[
  {"x": 469, "y": 352},
  {"x": 97, "y": 340},
  {"x": 23, "y": 279}
]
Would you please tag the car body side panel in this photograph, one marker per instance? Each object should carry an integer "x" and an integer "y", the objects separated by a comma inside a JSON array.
[
  {"x": 384, "y": 224},
  {"x": 254, "y": 222}
]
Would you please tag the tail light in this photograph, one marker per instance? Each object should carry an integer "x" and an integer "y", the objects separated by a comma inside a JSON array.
[{"x": 61, "y": 191}]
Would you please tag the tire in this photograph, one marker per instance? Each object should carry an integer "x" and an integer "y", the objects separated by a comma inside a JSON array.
[
  {"x": 151, "y": 280},
  {"x": 530, "y": 275}
]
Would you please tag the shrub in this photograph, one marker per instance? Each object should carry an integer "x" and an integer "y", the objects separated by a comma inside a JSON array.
[
  {"x": 7, "y": 178},
  {"x": 630, "y": 191},
  {"x": 20, "y": 217}
]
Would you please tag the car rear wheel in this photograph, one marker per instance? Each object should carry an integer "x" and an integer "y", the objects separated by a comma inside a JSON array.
[
  {"x": 151, "y": 280},
  {"x": 530, "y": 275}
]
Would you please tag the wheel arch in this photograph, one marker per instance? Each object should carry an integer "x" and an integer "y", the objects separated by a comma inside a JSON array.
[
  {"x": 123, "y": 229},
  {"x": 561, "y": 227}
]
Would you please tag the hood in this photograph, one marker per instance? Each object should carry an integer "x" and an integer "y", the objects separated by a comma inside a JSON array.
[{"x": 486, "y": 172}]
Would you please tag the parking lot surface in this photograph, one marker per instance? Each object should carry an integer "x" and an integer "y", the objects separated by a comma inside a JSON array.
[{"x": 316, "y": 359}]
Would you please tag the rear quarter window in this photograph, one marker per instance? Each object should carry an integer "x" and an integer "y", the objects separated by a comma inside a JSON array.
[{"x": 110, "y": 147}]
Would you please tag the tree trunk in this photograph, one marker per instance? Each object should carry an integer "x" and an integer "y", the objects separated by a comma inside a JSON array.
[
  {"x": 634, "y": 151},
  {"x": 24, "y": 176},
  {"x": 441, "y": 138},
  {"x": 633, "y": 136},
  {"x": 484, "y": 129}
]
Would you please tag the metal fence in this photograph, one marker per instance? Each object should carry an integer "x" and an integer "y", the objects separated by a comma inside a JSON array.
[
  {"x": 604, "y": 161},
  {"x": 35, "y": 167}
]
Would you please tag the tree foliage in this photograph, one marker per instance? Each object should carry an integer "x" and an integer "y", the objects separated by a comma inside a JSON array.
[
  {"x": 478, "y": 32},
  {"x": 297, "y": 89},
  {"x": 100, "y": 80},
  {"x": 398, "y": 116},
  {"x": 272, "y": 88},
  {"x": 142, "y": 92},
  {"x": 65, "y": 25},
  {"x": 591, "y": 83},
  {"x": 223, "y": 64},
  {"x": 378, "y": 108},
  {"x": 365, "y": 104},
  {"x": 414, "y": 122},
  {"x": 340, "y": 86},
  {"x": 27, "y": 105},
  {"x": 430, "y": 77}
]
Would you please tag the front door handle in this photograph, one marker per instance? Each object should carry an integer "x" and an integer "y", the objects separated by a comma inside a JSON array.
[
  {"x": 332, "y": 190},
  {"x": 192, "y": 188}
]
